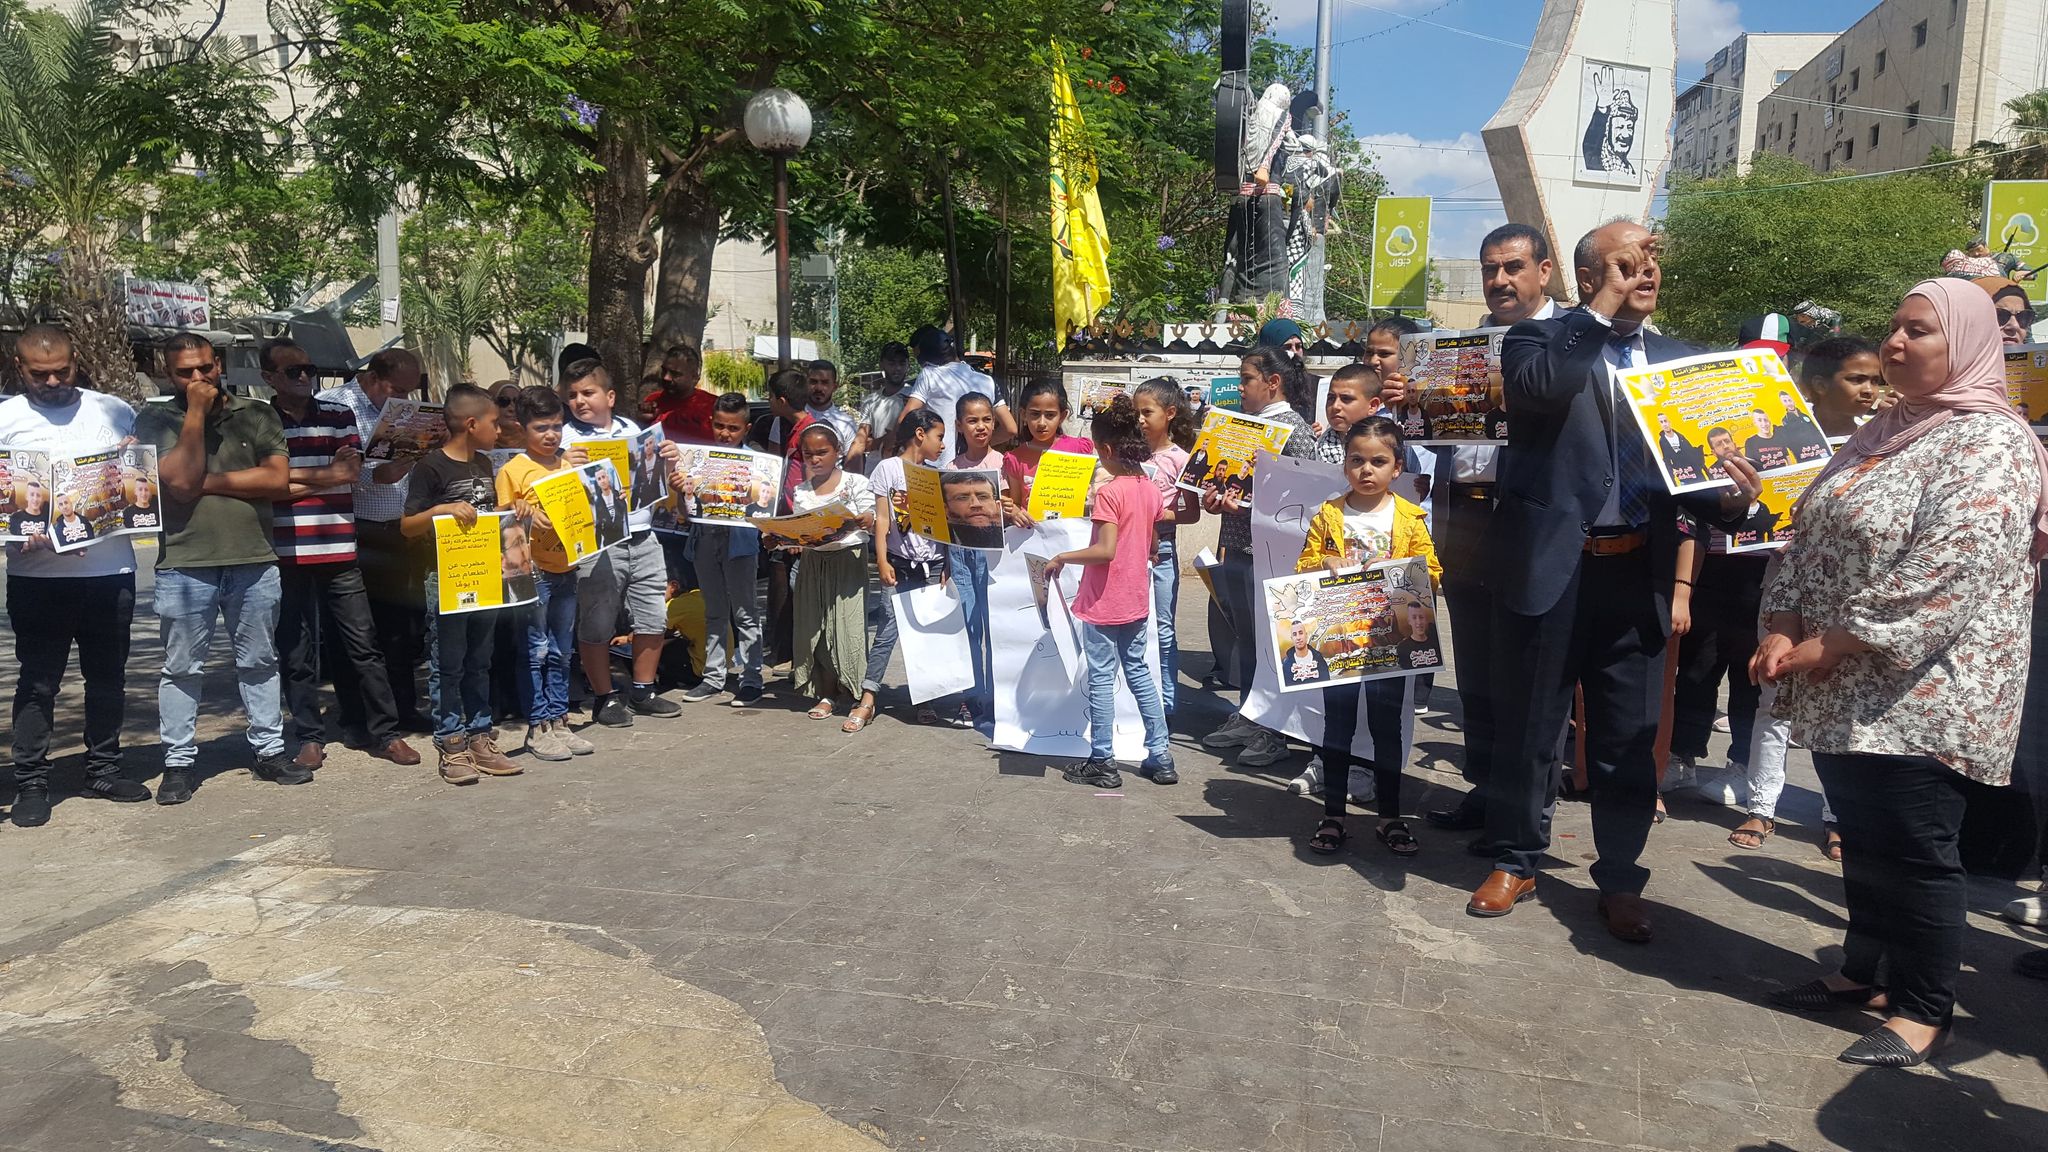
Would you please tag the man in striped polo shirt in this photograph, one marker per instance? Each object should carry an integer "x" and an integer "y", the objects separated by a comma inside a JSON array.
[{"x": 315, "y": 536}]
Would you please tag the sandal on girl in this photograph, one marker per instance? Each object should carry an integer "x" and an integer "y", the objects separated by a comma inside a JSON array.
[
  {"x": 1752, "y": 838},
  {"x": 855, "y": 721},
  {"x": 1330, "y": 836},
  {"x": 822, "y": 710},
  {"x": 1833, "y": 850},
  {"x": 1657, "y": 817},
  {"x": 930, "y": 718},
  {"x": 1399, "y": 838}
]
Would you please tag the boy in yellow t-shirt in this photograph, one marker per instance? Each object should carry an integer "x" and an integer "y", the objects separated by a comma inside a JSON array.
[{"x": 551, "y": 629}]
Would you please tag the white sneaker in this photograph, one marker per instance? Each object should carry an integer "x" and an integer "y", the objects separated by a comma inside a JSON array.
[
  {"x": 1310, "y": 782},
  {"x": 2029, "y": 910},
  {"x": 1678, "y": 773},
  {"x": 1235, "y": 733},
  {"x": 1264, "y": 748},
  {"x": 1721, "y": 723},
  {"x": 1723, "y": 787}
]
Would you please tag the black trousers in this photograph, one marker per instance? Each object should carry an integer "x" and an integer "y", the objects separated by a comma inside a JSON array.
[
  {"x": 49, "y": 615},
  {"x": 328, "y": 602},
  {"x": 393, "y": 580},
  {"x": 778, "y": 637},
  {"x": 1725, "y": 603},
  {"x": 1383, "y": 699},
  {"x": 1902, "y": 877},
  {"x": 1463, "y": 550},
  {"x": 1603, "y": 635}
]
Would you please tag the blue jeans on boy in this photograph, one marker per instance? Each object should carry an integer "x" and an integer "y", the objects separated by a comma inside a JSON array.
[
  {"x": 969, "y": 569},
  {"x": 1106, "y": 647},
  {"x": 189, "y": 602},
  {"x": 458, "y": 669},
  {"x": 550, "y": 641},
  {"x": 1165, "y": 596}
]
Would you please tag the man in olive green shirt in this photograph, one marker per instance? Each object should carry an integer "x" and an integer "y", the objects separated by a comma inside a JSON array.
[{"x": 222, "y": 460}]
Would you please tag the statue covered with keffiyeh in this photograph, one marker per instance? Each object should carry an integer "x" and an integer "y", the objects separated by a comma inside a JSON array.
[{"x": 1274, "y": 245}]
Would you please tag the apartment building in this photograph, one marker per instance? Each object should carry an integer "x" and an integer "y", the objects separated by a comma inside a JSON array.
[
  {"x": 1911, "y": 76},
  {"x": 1718, "y": 113}
]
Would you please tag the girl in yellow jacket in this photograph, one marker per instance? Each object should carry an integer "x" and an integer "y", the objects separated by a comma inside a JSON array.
[{"x": 1366, "y": 525}]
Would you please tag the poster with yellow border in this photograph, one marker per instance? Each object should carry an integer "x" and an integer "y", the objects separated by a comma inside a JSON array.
[
  {"x": 1697, "y": 411},
  {"x": 1060, "y": 490},
  {"x": 1768, "y": 524},
  {"x": 486, "y": 565},
  {"x": 2026, "y": 382},
  {"x": 820, "y": 525},
  {"x": 1454, "y": 378},
  {"x": 585, "y": 505},
  {"x": 1225, "y": 449},
  {"x": 962, "y": 507},
  {"x": 1362, "y": 624},
  {"x": 618, "y": 450}
]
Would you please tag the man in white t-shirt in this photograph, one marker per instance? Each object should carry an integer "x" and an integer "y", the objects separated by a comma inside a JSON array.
[
  {"x": 86, "y": 596},
  {"x": 944, "y": 378},
  {"x": 823, "y": 378},
  {"x": 879, "y": 415}
]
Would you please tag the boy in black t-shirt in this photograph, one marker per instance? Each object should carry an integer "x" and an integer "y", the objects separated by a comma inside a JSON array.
[{"x": 456, "y": 480}]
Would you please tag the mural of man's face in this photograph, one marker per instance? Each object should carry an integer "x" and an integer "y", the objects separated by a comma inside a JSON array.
[{"x": 972, "y": 502}]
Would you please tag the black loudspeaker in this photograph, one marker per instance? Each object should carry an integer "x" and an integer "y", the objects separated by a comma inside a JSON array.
[
  {"x": 1233, "y": 101},
  {"x": 1236, "y": 41}
]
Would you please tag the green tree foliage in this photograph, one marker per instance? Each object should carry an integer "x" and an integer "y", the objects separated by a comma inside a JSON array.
[
  {"x": 728, "y": 371},
  {"x": 885, "y": 293},
  {"x": 510, "y": 273},
  {"x": 259, "y": 245},
  {"x": 27, "y": 277},
  {"x": 1743, "y": 246},
  {"x": 81, "y": 124}
]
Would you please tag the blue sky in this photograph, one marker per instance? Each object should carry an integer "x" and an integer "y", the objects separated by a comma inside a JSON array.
[{"x": 1422, "y": 91}]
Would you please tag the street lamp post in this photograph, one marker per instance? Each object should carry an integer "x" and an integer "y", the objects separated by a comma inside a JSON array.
[{"x": 779, "y": 123}]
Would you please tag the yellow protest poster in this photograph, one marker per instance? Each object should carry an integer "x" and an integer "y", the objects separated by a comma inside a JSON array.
[
  {"x": 586, "y": 506},
  {"x": 1768, "y": 525},
  {"x": 2026, "y": 382},
  {"x": 1061, "y": 490},
  {"x": 619, "y": 452},
  {"x": 1224, "y": 452},
  {"x": 1363, "y": 624},
  {"x": 818, "y": 526},
  {"x": 1701, "y": 410},
  {"x": 467, "y": 561},
  {"x": 1454, "y": 382},
  {"x": 958, "y": 506}
]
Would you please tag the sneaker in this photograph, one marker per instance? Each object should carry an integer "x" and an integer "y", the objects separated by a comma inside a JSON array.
[
  {"x": 1160, "y": 769},
  {"x": 644, "y": 702},
  {"x": 612, "y": 712},
  {"x": 702, "y": 692},
  {"x": 1095, "y": 774},
  {"x": 458, "y": 765},
  {"x": 1235, "y": 733},
  {"x": 116, "y": 788},
  {"x": 576, "y": 745},
  {"x": 964, "y": 718},
  {"x": 1723, "y": 787},
  {"x": 2029, "y": 910},
  {"x": 279, "y": 770},
  {"x": 543, "y": 744},
  {"x": 174, "y": 788},
  {"x": 1310, "y": 782},
  {"x": 32, "y": 808},
  {"x": 1422, "y": 709},
  {"x": 748, "y": 696},
  {"x": 1264, "y": 748},
  {"x": 1721, "y": 723},
  {"x": 1364, "y": 789},
  {"x": 1679, "y": 772},
  {"x": 483, "y": 752}
]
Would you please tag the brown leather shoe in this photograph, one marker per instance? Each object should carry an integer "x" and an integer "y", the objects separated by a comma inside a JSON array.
[
  {"x": 1501, "y": 892},
  {"x": 458, "y": 763},
  {"x": 1626, "y": 917},
  {"x": 311, "y": 755},
  {"x": 398, "y": 752},
  {"x": 489, "y": 760}
]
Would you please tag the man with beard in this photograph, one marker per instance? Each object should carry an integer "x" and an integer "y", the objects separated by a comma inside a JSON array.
[
  {"x": 85, "y": 597},
  {"x": 974, "y": 509}
]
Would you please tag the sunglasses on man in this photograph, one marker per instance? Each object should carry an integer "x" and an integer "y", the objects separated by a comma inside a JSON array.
[{"x": 299, "y": 371}]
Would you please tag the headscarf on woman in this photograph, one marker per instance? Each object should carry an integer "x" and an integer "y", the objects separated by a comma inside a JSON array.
[{"x": 1975, "y": 383}]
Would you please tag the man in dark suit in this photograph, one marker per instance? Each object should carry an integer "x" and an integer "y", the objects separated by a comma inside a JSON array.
[
  {"x": 1583, "y": 553},
  {"x": 1686, "y": 463}
]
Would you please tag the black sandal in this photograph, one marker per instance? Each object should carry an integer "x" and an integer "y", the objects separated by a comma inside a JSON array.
[
  {"x": 1330, "y": 836},
  {"x": 1399, "y": 838},
  {"x": 1816, "y": 996}
]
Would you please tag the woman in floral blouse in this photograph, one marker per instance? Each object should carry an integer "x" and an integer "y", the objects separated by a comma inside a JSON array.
[{"x": 1898, "y": 629}]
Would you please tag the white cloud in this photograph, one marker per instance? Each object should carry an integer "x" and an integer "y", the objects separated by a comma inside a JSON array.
[
  {"x": 1455, "y": 168},
  {"x": 1704, "y": 28}
]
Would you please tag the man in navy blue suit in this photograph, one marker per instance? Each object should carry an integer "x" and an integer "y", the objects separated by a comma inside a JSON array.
[{"x": 1583, "y": 554}]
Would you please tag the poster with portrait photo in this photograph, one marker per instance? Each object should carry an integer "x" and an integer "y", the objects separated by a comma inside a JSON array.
[
  {"x": 1614, "y": 99},
  {"x": 962, "y": 507}
]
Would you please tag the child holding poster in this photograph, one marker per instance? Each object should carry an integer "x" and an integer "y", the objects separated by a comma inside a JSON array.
[
  {"x": 902, "y": 560},
  {"x": 1115, "y": 600},
  {"x": 1366, "y": 525},
  {"x": 725, "y": 558},
  {"x": 455, "y": 480},
  {"x": 1044, "y": 405},
  {"x": 975, "y": 417},
  {"x": 830, "y": 598},
  {"x": 1169, "y": 430},
  {"x": 551, "y": 627}
]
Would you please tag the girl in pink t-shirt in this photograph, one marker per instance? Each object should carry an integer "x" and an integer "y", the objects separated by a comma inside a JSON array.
[
  {"x": 1043, "y": 411},
  {"x": 1115, "y": 601}
]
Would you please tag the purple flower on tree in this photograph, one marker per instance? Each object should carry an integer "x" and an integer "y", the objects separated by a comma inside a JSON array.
[
  {"x": 581, "y": 112},
  {"x": 1165, "y": 243}
]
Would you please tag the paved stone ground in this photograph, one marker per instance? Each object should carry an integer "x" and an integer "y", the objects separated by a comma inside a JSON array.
[{"x": 746, "y": 931}]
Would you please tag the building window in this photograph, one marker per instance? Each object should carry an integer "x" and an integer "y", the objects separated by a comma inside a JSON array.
[
  {"x": 1879, "y": 70},
  {"x": 1848, "y": 150},
  {"x": 1944, "y": 97},
  {"x": 1873, "y": 135},
  {"x": 1795, "y": 123},
  {"x": 1855, "y": 79},
  {"x": 1780, "y": 76},
  {"x": 1920, "y": 34},
  {"x": 1913, "y": 114}
]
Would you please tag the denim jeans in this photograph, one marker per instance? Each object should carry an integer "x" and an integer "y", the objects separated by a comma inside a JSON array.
[
  {"x": 969, "y": 570},
  {"x": 1165, "y": 596},
  {"x": 909, "y": 574},
  {"x": 189, "y": 602},
  {"x": 1106, "y": 647},
  {"x": 550, "y": 644},
  {"x": 1769, "y": 739},
  {"x": 732, "y": 598},
  {"x": 458, "y": 668}
]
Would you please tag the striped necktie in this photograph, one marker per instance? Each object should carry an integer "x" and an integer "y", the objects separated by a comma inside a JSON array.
[{"x": 1632, "y": 462}]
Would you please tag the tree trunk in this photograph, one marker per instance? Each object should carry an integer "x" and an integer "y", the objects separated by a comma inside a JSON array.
[
  {"x": 682, "y": 291},
  {"x": 619, "y": 255},
  {"x": 98, "y": 318}
]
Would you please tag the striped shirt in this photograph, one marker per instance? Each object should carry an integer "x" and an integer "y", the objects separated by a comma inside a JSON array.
[
  {"x": 378, "y": 503},
  {"x": 319, "y": 527}
]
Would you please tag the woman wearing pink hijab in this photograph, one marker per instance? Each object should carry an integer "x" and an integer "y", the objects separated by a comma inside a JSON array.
[{"x": 1898, "y": 634}]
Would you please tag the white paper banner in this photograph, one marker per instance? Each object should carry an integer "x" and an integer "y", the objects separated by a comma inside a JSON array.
[
  {"x": 1286, "y": 492},
  {"x": 931, "y": 633},
  {"x": 1039, "y": 708}
]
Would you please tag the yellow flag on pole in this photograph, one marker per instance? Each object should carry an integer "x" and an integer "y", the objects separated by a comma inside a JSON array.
[{"x": 1080, "y": 238}]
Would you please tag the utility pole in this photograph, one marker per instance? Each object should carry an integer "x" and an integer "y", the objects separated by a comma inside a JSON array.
[{"x": 1323, "y": 20}]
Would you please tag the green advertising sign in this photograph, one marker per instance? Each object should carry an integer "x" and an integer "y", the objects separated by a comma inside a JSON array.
[
  {"x": 2016, "y": 224},
  {"x": 1400, "y": 252}
]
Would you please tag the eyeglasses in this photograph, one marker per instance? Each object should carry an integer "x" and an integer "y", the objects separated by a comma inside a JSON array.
[
  {"x": 54, "y": 376},
  {"x": 302, "y": 371},
  {"x": 2026, "y": 318}
]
